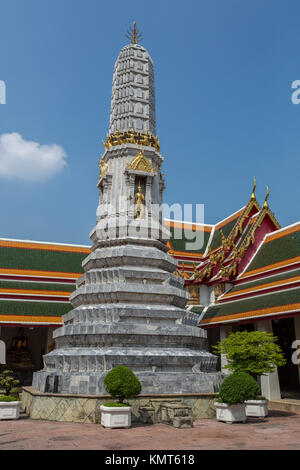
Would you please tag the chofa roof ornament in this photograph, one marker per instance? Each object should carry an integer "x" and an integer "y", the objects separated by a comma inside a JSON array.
[
  {"x": 253, "y": 190},
  {"x": 266, "y": 198}
]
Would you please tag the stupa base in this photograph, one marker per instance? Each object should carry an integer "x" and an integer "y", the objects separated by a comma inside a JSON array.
[{"x": 86, "y": 408}]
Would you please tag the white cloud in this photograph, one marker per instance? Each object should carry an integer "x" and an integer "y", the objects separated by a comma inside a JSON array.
[{"x": 28, "y": 160}]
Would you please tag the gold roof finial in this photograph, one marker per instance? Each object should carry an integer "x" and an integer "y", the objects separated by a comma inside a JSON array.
[
  {"x": 134, "y": 35},
  {"x": 266, "y": 198},
  {"x": 253, "y": 190}
]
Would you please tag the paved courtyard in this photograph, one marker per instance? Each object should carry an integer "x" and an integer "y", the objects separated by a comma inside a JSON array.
[{"x": 281, "y": 430}]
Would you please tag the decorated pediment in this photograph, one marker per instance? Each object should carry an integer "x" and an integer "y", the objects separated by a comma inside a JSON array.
[{"x": 141, "y": 163}]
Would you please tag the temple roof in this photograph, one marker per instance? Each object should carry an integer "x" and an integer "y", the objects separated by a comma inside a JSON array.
[
  {"x": 36, "y": 280},
  {"x": 272, "y": 305},
  {"x": 279, "y": 249},
  {"x": 234, "y": 241},
  {"x": 268, "y": 287}
]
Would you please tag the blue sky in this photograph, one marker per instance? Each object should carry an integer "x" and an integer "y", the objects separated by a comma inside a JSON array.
[{"x": 223, "y": 72}]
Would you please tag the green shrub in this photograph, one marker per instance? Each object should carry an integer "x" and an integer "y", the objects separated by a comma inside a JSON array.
[
  {"x": 122, "y": 383},
  {"x": 114, "y": 404},
  {"x": 8, "y": 398},
  {"x": 237, "y": 388},
  {"x": 253, "y": 352},
  {"x": 9, "y": 383}
]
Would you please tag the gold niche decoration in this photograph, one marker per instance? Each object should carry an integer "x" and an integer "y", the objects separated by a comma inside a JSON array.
[
  {"x": 140, "y": 163},
  {"x": 139, "y": 201},
  {"x": 103, "y": 166},
  {"x": 132, "y": 137}
]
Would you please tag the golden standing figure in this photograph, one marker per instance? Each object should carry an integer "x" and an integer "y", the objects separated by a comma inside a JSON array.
[
  {"x": 139, "y": 201},
  {"x": 103, "y": 166}
]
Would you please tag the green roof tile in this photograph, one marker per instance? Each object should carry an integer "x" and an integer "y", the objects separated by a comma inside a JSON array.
[
  {"x": 41, "y": 260},
  {"x": 275, "y": 299},
  {"x": 37, "y": 286},
  {"x": 180, "y": 244},
  {"x": 52, "y": 309},
  {"x": 277, "y": 250},
  {"x": 265, "y": 280}
]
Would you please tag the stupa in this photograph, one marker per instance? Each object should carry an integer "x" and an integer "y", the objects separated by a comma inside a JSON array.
[{"x": 128, "y": 306}]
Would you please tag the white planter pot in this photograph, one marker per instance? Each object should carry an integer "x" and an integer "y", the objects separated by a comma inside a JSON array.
[
  {"x": 258, "y": 408},
  {"x": 231, "y": 413},
  {"x": 115, "y": 416},
  {"x": 9, "y": 409}
]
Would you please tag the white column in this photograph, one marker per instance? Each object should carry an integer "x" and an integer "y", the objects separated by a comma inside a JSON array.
[
  {"x": 224, "y": 332},
  {"x": 2, "y": 351},
  {"x": 269, "y": 383},
  {"x": 297, "y": 336}
]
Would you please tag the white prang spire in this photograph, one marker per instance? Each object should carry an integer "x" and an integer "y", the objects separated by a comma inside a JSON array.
[{"x": 133, "y": 92}]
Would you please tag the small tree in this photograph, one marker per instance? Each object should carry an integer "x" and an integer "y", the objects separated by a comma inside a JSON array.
[
  {"x": 238, "y": 387},
  {"x": 255, "y": 352},
  {"x": 121, "y": 383},
  {"x": 9, "y": 383}
]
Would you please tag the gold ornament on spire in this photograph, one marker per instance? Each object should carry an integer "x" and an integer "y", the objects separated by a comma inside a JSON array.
[
  {"x": 266, "y": 198},
  {"x": 141, "y": 163},
  {"x": 253, "y": 190},
  {"x": 139, "y": 201},
  {"x": 134, "y": 35}
]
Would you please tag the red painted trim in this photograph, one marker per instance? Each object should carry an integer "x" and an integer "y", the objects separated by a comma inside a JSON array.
[
  {"x": 32, "y": 325},
  {"x": 39, "y": 298},
  {"x": 37, "y": 279},
  {"x": 272, "y": 272}
]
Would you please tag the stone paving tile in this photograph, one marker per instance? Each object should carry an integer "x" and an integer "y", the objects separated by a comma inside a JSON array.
[{"x": 280, "y": 430}]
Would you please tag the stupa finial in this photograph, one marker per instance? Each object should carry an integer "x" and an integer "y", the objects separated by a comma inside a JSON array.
[{"x": 134, "y": 34}]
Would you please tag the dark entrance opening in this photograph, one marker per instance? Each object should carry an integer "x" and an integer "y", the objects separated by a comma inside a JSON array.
[{"x": 288, "y": 374}]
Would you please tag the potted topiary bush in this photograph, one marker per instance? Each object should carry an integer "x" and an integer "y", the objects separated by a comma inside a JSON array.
[
  {"x": 9, "y": 402},
  {"x": 255, "y": 353},
  {"x": 235, "y": 389},
  {"x": 121, "y": 383}
]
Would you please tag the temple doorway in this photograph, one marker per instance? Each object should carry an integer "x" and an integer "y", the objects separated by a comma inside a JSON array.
[
  {"x": 288, "y": 374},
  {"x": 25, "y": 347}
]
